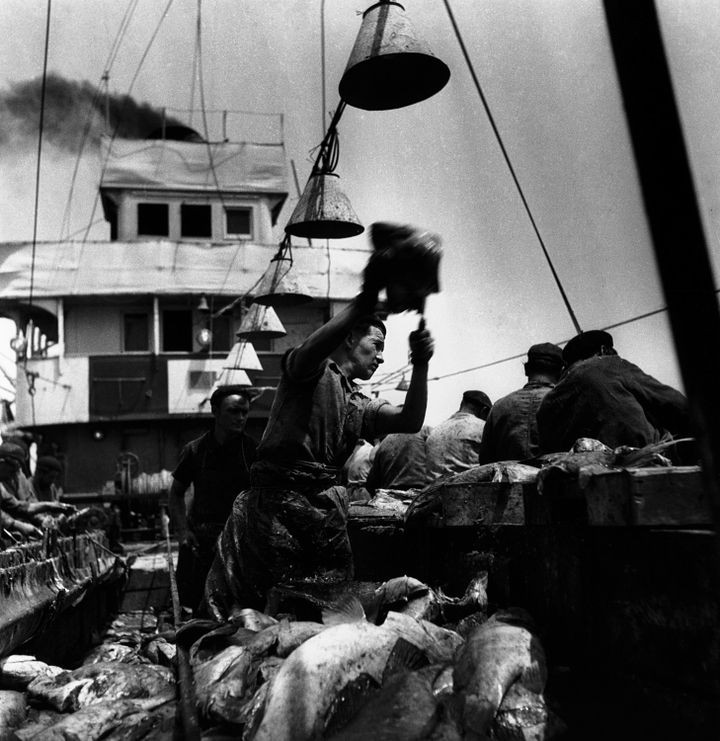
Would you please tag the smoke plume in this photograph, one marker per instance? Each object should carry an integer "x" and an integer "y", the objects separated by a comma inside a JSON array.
[{"x": 73, "y": 111}]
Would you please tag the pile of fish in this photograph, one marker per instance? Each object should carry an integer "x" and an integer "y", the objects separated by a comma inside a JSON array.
[
  {"x": 124, "y": 689},
  {"x": 411, "y": 663}
]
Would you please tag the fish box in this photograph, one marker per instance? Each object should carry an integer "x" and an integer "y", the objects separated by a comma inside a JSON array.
[
  {"x": 483, "y": 503},
  {"x": 648, "y": 497},
  {"x": 632, "y": 497}
]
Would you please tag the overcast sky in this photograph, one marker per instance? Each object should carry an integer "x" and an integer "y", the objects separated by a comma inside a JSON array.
[{"x": 546, "y": 70}]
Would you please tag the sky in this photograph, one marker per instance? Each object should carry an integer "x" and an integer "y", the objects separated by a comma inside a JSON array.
[{"x": 546, "y": 69}]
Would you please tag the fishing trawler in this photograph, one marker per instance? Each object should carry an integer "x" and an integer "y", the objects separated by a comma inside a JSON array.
[{"x": 597, "y": 564}]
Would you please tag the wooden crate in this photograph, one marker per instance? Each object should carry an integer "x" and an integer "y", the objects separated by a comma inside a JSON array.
[
  {"x": 648, "y": 497},
  {"x": 485, "y": 503}
]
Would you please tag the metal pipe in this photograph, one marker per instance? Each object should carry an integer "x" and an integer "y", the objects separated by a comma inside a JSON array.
[{"x": 673, "y": 215}]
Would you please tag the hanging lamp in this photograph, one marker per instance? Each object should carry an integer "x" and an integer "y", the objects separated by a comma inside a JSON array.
[
  {"x": 234, "y": 377},
  {"x": 390, "y": 66},
  {"x": 324, "y": 211},
  {"x": 203, "y": 306},
  {"x": 242, "y": 356},
  {"x": 280, "y": 285},
  {"x": 403, "y": 385},
  {"x": 260, "y": 322}
]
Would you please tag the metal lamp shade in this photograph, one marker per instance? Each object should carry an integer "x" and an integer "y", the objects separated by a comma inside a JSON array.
[
  {"x": 404, "y": 384},
  {"x": 324, "y": 211},
  {"x": 260, "y": 323},
  {"x": 242, "y": 357},
  {"x": 390, "y": 67},
  {"x": 280, "y": 285},
  {"x": 234, "y": 377}
]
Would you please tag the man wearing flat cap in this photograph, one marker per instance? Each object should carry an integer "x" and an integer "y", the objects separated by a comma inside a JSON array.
[
  {"x": 511, "y": 432},
  {"x": 606, "y": 398},
  {"x": 453, "y": 446},
  {"x": 19, "y": 515}
]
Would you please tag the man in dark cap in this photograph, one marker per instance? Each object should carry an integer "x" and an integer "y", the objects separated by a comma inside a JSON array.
[
  {"x": 454, "y": 445},
  {"x": 606, "y": 398},
  {"x": 19, "y": 515},
  {"x": 511, "y": 432},
  {"x": 217, "y": 465},
  {"x": 46, "y": 479}
]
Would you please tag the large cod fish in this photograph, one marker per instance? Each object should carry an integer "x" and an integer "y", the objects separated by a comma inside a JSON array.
[
  {"x": 500, "y": 653},
  {"x": 304, "y": 689}
]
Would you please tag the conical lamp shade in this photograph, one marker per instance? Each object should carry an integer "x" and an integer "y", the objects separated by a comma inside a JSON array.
[
  {"x": 260, "y": 322},
  {"x": 234, "y": 378},
  {"x": 404, "y": 384},
  {"x": 324, "y": 211},
  {"x": 390, "y": 67},
  {"x": 280, "y": 285},
  {"x": 242, "y": 357}
]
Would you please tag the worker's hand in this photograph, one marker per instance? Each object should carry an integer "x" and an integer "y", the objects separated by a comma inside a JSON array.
[
  {"x": 422, "y": 346},
  {"x": 60, "y": 507},
  {"x": 25, "y": 528}
]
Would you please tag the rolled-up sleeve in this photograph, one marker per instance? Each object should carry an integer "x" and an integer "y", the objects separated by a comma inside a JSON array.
[{"x": 369, "y": 426}]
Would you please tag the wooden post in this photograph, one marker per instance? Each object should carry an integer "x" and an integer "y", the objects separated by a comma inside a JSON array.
[{"x": 674, "y": 219}]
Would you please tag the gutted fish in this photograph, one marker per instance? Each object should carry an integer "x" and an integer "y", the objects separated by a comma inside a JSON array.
[
  {"x": 524, "y": 715},
  {"x": 13, "y": 710},
  {"x": 16, "y": 672},
  {"x": 118, "y": 719},
  {"x": 149, "y": 685},
  {"x": 404, "y": 709},
  {"x": 502, "y": 651},
  {"x": 303, "y": 691}
]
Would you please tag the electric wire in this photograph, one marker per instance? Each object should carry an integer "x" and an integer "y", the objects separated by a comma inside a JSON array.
[{"x": 510, "y": 167}]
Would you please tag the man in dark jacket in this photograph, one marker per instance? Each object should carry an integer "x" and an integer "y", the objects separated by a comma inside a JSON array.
[
  {"x": 511, "y": 432},
  {"x": 604, "y": 397},
  {"x": 217, "y": 464}
]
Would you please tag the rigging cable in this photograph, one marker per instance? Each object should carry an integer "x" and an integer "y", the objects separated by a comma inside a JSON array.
[
  {"x": 510, "y": 167},
  {"x": 39, "y": 153},
  {"x": 561, "y": 342},
  {"x": 117, "y": 125},
  {"x": 37, "y": 193},
  {"x": 122, "y": 30}
]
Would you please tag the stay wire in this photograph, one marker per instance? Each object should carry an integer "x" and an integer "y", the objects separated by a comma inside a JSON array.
[
  {"x": 119, "y": 36},
  {"x": 510, "y": 167},
  {"x": 39, "y": 152},
  {"x": 117, "y": 125},
  {"x": 622, "y": 323}
]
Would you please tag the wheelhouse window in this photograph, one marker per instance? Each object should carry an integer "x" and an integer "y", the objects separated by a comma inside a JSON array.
[
  {"x": 136, "y": 332},
  {"x": 195, "y": 220},
  {"x": 177, "y": 330},
  {"x": 153, "y": 220},
  {"x": 238, "y": 222}
]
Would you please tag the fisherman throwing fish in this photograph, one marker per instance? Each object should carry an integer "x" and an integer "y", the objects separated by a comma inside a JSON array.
[{"x": 291, "y": 523}]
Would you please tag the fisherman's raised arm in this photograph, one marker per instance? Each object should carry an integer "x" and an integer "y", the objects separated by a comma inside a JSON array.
[{"x": 410, "y": 417}]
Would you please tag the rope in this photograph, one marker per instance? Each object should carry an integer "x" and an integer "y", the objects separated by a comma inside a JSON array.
[{"x": 510, "y": 167}]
